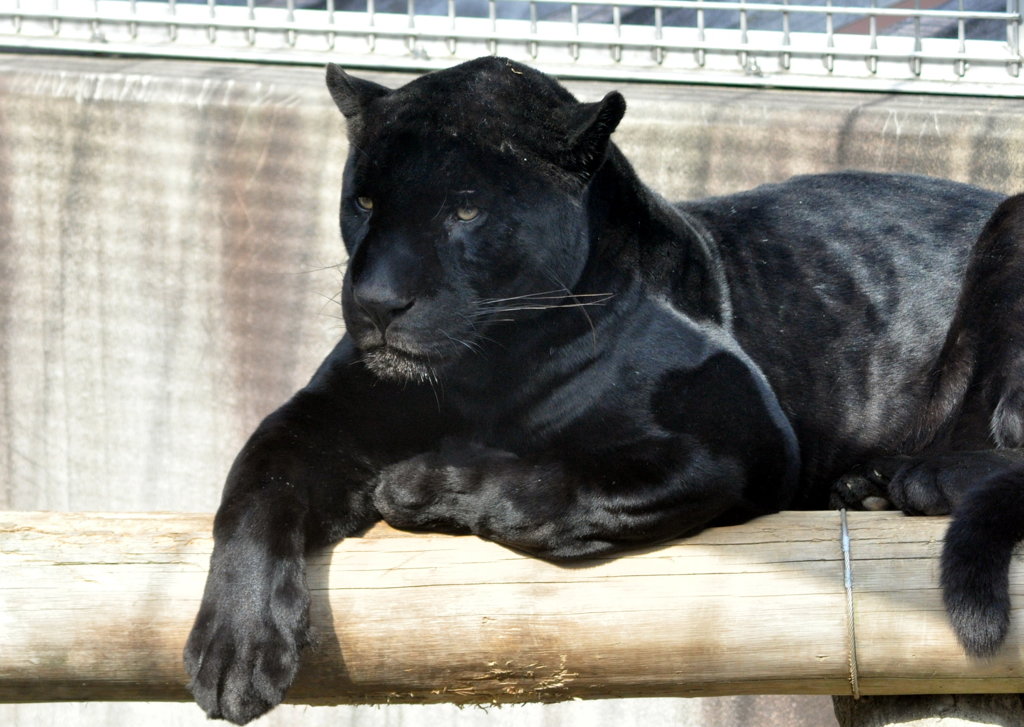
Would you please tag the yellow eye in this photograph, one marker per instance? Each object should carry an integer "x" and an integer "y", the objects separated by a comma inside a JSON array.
[
  {"x": 365, "y": 203},
  {"x": 467, "y": 213}
]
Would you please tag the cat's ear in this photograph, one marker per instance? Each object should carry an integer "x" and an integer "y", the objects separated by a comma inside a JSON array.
[
  {"x": 588, "y": 127},
  {"x": 351, "y": 94}
]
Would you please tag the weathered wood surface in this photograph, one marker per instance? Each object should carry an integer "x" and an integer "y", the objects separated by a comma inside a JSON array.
[{"x": 97, "y": 606}]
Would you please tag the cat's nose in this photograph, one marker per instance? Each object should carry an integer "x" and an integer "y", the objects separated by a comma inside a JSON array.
[{"x": 382, "y": 304}]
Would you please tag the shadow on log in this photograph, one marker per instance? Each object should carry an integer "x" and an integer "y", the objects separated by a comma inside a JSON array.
[{"x": 98, "y": 606}]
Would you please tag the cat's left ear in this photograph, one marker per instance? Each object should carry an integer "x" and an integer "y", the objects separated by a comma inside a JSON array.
[
  {"x": 588, "y": 128},
  {"x": 351, "y": 94}
]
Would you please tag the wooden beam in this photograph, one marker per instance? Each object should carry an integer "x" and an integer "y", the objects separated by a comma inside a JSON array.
[{"x": 97, "y": 607}]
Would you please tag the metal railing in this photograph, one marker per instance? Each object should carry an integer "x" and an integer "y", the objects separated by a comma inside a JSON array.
[{"x": 949, "y": 46}]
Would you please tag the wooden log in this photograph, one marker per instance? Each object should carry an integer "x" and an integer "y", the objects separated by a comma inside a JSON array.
[{"x": 98, "y": 606}]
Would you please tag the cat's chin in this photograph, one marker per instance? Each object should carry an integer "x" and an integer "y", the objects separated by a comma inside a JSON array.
[{"x": 393, "y": 364}]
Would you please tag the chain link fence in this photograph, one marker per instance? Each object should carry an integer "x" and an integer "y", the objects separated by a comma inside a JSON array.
[{"x": 945, "y": 46}]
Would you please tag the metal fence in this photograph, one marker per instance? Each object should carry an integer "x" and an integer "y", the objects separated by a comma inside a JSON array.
[{"x": 947, "y": 46}]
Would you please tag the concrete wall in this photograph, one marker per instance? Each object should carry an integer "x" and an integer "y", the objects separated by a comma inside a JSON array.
[{"x": 169, "y": 270}]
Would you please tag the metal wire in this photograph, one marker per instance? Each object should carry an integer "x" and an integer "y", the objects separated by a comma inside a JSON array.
[
  {"x": 851, "y": 611},
  {"x": 948, "y": 46}
]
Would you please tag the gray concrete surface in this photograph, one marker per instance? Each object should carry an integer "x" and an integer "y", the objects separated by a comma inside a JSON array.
[
  {"x": 168, "y": 273},
  {"x": 998, "y": 710}
]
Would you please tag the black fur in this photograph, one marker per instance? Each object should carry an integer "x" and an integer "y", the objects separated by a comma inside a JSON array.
[{"x": 544, "y": 352}]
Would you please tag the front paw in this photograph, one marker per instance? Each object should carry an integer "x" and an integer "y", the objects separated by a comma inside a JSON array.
[
  {"x": 243, "y": 651},
  {"x": 419, "y": 493},
  {"x": 445, "y": 491}
]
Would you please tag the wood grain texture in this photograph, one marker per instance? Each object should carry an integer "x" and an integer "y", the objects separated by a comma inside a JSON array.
[{"x": 97, "y": 606}]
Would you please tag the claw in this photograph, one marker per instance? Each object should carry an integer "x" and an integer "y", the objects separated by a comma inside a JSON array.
[{"x": 875, "y": 503}]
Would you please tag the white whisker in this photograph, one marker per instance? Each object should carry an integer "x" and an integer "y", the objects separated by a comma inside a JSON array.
[
  {"x": 546, "y": 295},
  {"x": 497, "y": 310}
]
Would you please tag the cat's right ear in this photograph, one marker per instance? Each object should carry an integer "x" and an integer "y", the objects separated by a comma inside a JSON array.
[{"x": 351, "y": 94}]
